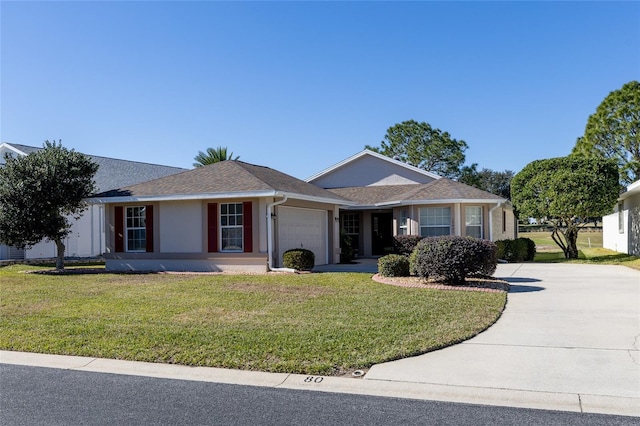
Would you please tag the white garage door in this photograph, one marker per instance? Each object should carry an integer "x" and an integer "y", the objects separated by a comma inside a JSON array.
[{"x": 303, "y": 228}]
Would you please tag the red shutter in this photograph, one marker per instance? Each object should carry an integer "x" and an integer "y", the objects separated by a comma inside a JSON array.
[
  {"x": 247, "y": 220},
  {"x": 119, "y": 224},
  {"x": 212, "y": 227},
  {"x": 149, "y": 227}
]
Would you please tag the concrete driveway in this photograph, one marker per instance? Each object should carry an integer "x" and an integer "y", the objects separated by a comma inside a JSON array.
[{"x": 567, "y": 330}]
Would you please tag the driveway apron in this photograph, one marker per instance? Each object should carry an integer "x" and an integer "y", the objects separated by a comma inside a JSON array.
[{"x": 566, "y": 329}]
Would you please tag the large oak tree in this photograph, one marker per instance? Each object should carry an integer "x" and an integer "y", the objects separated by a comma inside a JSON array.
[
  {"x": 422, "y": 146},
  {"x": 38, "y": 194},
  {"x": 613, "y": 131},
  {"x": 567, "y": 191}
]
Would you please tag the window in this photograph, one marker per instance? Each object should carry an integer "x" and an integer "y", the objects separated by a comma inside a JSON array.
[
  {"x": 473, "y": 221},
  {"x": 403, "y": 222},
  {"x": 136, "y": 228},
  {"x": 621, "y": 217},
  {"x": 351, "y": 227},
  {"x": 504, "y": 220},
  {"x": 231, "y": 226},
  {"x": 435, "y": 221}
]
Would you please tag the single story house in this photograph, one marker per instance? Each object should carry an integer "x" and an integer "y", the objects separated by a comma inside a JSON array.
[
  {"x": 621, "y": 229},
  {"x": 237, "y": 216},
  {"x": 87, "y": 237}
]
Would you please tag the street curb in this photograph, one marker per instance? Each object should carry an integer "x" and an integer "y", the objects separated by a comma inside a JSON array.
[{"x": 601, "y": 404}]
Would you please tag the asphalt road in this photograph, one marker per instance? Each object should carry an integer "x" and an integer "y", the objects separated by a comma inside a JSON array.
[{"x": 43, "y": 396}]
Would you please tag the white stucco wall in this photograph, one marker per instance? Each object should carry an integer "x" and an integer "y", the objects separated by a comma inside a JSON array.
[{"x": 180, "y": 227}]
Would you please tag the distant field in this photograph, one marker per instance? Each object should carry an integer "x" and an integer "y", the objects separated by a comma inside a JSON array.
[{"x": 544, "y": 242}]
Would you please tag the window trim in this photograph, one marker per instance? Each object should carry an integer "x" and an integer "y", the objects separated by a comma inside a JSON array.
[
  {"x": 621, "y": 217},
  {"x": 466, "y": 220},
  {"x": 122, "y": 228},
  {"x": 214, "y": 235},
  {"x": 426, "y": 226},
  {"x": 222, "y": 228},
  {"x": 403, "y": 222}
]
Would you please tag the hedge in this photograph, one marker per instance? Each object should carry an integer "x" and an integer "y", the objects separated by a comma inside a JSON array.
[{"x": 518, "y": 250}]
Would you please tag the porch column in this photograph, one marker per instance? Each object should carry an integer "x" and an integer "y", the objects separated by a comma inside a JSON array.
[{"x": 458, "y": 219}]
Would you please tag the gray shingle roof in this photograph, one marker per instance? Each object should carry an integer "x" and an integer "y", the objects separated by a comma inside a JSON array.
[
  {"x": 114, "y": 173},
  {"x": 441, "y": 189},
  {"x": 223, "y": 178}
]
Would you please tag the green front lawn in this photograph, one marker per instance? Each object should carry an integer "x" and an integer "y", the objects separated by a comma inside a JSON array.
[
  {"x": 310, "y": 323},
  {"x": 589, "y": 246},
  {"x": 600, "y": 256},
  {"x": 544, "y": 242}
]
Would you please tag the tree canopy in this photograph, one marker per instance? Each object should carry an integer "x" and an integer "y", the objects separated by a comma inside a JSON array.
[
  {"x": 213, "y": 155},
  {"x": 422, "y": 146},
  {"x": 613, "y": 131},
  {"x": 39, "y": 191},
  {"x": 567, "y": 191},
  {"x": 498, "y": 183}
]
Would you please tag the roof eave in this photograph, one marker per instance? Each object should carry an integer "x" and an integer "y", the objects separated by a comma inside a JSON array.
[
  {"x": 180, "y": 197},
  {"x": 216, "y": 195},
  {"x": 444, "y": 201}
]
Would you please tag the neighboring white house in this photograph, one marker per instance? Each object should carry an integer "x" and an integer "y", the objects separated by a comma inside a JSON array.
[
  {"x": 621, "y": 229},
  {"x": 87, "y": 237}
]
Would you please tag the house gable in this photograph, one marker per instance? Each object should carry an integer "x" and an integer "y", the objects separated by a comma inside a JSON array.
[
  {"x": 368, "y": 168},
  {"x": 11, "y": 151}
]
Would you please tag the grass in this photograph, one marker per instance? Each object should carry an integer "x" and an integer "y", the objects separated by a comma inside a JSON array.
[
  {"x": 544, "y": 242},
  {"x": 327, "y": 323},
  {"x": 589, "y": 247}
]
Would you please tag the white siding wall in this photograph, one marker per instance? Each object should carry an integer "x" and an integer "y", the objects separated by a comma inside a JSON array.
[
  {"x": 180, "y": 225},
  {"x": 612, "y": 239},
  {"x": 86, "y": 239}
]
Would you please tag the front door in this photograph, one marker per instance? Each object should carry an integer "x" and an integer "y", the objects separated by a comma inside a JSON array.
[{"x": 381, "y": 233}]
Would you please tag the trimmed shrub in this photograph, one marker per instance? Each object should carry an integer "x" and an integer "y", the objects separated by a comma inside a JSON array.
[
  {"x": 299, "y": 259},
  {"x": 518, "y": 250},
  {"x": 393, "y": 265},
  {"x": 453, "y": 259},
  {"x": 405, "y": 244}
]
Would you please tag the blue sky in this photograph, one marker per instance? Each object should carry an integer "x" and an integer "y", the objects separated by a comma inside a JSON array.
[{"x": 299, "y": 86}]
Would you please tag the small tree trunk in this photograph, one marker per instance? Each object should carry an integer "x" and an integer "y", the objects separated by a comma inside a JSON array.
[
  {"x": 571, "y": 236},
  {"x": 60, "y": 258}
]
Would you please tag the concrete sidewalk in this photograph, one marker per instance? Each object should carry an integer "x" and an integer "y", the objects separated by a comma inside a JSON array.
[{"x": 568, "y": 340}]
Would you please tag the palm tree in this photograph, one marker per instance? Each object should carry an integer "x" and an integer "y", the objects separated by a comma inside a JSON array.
[{"x": 213, "y": 156}]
